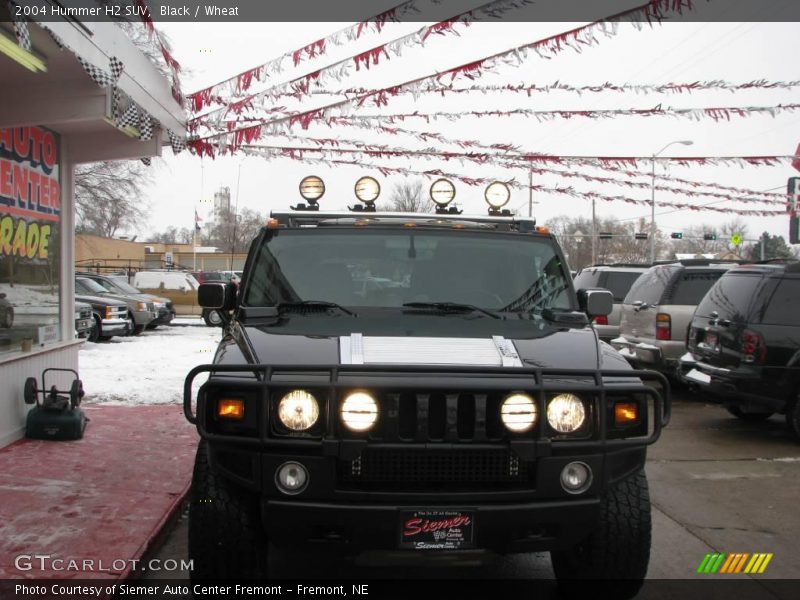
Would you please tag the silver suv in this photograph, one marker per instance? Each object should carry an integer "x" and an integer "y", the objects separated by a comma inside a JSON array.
[
  {"x": 658, "y": 309},
  {"x": 617, "y": 279}
]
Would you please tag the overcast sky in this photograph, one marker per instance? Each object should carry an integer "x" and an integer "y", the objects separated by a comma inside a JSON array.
[{"x": 677, "y": 52}]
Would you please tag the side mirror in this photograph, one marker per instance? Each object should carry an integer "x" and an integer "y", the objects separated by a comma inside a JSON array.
[
  {"x": 221, "y": 296},
  {"x": 596, "y": 302},
  {"x": 2, "y": 296}
]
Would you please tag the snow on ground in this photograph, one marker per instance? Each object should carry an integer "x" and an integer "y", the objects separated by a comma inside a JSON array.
[{"x": 149, "y": 368}]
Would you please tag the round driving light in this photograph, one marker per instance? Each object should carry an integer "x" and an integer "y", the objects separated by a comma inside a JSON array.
[
  {"x": 368, "y": 189},
  {"x": 442, "y": 192},
  {"x": 298, "y": 410},
  {"x": 291, "y": 478},
  {"x": 497, "y": 194},
  {"x": 576, "y": 477},
  {"x": 359, "y": 411},
  {"x": 312, "y": 188},
  {"x": 566, "y": 413},
  {"x": 518, "y": 412}
]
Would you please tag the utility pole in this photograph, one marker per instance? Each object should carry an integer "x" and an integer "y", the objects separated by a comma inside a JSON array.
[
  {"x": 235, "y": 213},
  {"x": 594, "y": 235}
]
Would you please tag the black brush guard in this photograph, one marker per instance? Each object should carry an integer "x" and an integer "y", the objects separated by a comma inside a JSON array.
[{"x": 599, "y": 383}]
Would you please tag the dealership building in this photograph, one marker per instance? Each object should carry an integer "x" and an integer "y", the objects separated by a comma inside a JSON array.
[{"x": 73, "y": 92}]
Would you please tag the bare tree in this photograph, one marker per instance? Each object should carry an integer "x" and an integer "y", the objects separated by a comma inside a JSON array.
[
  {"x": 233, "y": 233},
  {"x": 408, "y": 196},
  {"x": 108, "y": 196}
]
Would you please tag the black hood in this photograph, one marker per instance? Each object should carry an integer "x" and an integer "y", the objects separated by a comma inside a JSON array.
[{"x": 314, "y": 340}]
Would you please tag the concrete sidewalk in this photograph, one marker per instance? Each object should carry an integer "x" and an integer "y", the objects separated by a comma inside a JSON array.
[{"x": 103, "y": 499}]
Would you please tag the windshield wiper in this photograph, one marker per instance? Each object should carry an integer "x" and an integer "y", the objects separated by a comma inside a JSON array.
[
  {"x": 315, "y": 304},
  {"x": 452, "y": 307}
]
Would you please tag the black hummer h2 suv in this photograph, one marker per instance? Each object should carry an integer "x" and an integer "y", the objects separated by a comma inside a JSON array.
[{"x": 418, "y": 383}]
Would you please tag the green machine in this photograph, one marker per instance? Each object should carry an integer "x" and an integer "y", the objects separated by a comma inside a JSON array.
[{"x": 56, "y": 416}]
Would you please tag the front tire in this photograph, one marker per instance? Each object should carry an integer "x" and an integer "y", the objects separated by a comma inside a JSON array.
[
  {"x": 135, "y": 329},
  {"x": 793, "y": 417},
  {"x": 618, "y": 550},
  {"x": 226, "y": 537},
  {"x": 752, "y": 417},
  {"x": 95, "y": 330},
  {"x": 8, "y": 318}
]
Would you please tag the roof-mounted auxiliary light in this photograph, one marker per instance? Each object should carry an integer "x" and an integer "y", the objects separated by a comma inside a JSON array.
[
  {"x": 312, "y": 188},
  {"x": 497, "y": 195},
  {"x": 367, "y": 190},
  {"x": 443, "y": 192}
]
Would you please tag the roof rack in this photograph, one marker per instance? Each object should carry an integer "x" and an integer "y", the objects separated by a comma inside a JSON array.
[
  {"x": 295, "y": 218},
  {"x": 701, "y": 262}
]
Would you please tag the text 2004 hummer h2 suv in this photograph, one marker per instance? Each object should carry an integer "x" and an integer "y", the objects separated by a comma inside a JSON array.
[{"x": 418, "y": 383}]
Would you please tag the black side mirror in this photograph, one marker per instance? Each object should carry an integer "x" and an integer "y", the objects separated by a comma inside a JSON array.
[
  {"x": 221, "y": 296},
  {"x": 596, "y": 302}
]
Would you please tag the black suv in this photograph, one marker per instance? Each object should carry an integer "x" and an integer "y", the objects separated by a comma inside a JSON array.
[
  {"x": 745, "y": 339},
  {"x": 418, "y": 384}
]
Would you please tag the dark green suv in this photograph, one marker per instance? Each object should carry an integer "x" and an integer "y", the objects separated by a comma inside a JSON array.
[{"x": 418, "y": 383}]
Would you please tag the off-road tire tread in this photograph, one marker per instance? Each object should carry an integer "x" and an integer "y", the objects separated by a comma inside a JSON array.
[
  {"x": 619, "y": 549},
  {"x": 226, "y": 539}
]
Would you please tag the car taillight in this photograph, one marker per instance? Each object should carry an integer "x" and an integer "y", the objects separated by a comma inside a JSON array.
[
  {"x": 663, "y": 327},
  {"x": 601, "y": 320},
  {"x": 753, "y": 347}
]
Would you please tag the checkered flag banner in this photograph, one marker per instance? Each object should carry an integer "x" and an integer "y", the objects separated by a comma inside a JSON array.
[
  {"x": 100, "y": 76},
  {"x": 178, "y": 143},
  {"x": 20, "y": 28},
  {"x": 145, "y": 127}
]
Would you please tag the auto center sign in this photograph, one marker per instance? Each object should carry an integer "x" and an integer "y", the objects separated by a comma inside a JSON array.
[{"x": 30, "y": 193}]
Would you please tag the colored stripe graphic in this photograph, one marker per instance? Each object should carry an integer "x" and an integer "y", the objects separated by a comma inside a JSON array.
[{"x": 737, "y": 562}]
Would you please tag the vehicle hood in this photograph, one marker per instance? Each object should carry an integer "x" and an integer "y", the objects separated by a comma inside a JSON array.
[
  {"x": 556, "y": 347},
  {"x": 102, "y": 300}
]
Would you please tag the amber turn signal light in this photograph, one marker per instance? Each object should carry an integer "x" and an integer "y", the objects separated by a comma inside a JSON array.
[
  {"x": 230, "y": 408},
  {"x": 626, "y": 413}
]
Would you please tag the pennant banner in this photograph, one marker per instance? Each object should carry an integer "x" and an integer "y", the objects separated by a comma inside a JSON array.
[
  {"x": 241, "y": 82},
  {"x": 270, "y": 153},
  {"x": 576, "y": 39},
  {"x": 558, "y": 86},
  {"x": 719, "y": 113},
  {"x": 302, "y": 86},
  {"x": 480, "y": 158}
]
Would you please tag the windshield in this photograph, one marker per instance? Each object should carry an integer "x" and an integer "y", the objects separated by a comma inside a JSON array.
[
  {"x": 89, "y": 286},
  {"x": 356, "y": 267},
  {"x": 123, "y": 285}
]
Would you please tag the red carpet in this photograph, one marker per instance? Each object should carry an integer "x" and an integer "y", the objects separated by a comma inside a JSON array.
[{"x": 102, "y": 499}]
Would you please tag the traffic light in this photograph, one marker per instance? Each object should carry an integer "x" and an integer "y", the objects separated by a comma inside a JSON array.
[
  {"x": 640, "y": 236},
  {"x": 709, "y": 237},
  {"x": 604, "y": 235},
  {"x": 676, "y": 235}
]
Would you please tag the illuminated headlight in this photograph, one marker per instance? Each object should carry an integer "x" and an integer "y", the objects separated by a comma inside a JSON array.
[
  {"x": 566, "y": 413},
  {"x": 298, "y": 410},
  {"x": 518, "y": 412},
  {"x": 359, "y": 411}
]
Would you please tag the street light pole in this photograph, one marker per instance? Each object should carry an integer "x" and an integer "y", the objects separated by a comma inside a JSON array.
[{"x": 653, "y": 196}]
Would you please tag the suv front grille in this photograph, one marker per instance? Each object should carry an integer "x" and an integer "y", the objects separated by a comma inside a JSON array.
[
  {"x": 420, "y": 469},
  {"x": 439, "y": 417}
]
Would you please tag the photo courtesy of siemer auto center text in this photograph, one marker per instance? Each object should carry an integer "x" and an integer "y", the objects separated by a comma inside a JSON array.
[{"x": 399, "y": 299}]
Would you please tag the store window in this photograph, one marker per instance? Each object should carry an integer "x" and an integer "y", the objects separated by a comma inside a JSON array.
[{"x": 30, "y": 218}]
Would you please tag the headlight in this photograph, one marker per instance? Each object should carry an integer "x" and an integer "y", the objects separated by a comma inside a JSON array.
[
  {"x": 359, "y": 411},
  {"x": 142, "y": 305},
  {"x": 518, "y": 412},
  {"x": 566, "y": 413},
  {"x": 298, "y": 410}
]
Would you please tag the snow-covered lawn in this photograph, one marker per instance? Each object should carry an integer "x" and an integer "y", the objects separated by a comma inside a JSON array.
[{"x": 149, "y": 368}]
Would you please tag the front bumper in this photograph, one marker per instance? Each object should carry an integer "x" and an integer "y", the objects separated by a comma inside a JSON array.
[
  {"x": 142, "y": 318},
  {"x": 503, "y": 528},
  {"x": 112, "y": 327}
]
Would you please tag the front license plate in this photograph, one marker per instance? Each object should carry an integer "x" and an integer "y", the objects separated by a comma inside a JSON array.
[{"x": 437, "y": 529}]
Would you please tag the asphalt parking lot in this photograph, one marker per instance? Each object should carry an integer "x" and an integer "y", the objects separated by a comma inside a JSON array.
[{"x": 718, "y": 484}]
